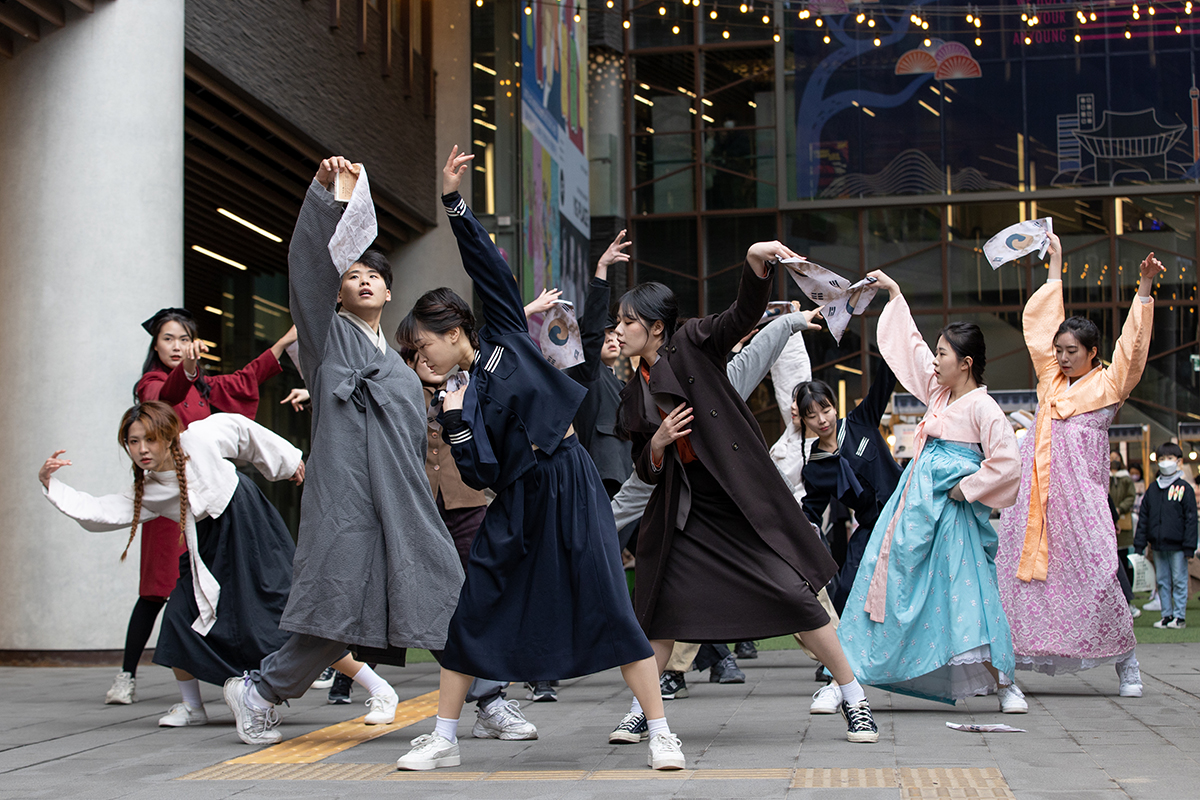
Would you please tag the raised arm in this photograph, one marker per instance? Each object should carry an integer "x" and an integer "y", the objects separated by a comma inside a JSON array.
[
  {"x": 870, "y": 410},
  {"x": 1133, "y": 345},
  {"x": 1042, "y": 316},
  {"x": 241, "y": 439},
  {"x": 747, "y": 369},
  {"x": 313, "y": 280},
  {"x": 901, "y": 343},
  {"x": 498, "y": 292},
  {"x": 790, "y": 368},
  {"x": 591, "y": 331}
]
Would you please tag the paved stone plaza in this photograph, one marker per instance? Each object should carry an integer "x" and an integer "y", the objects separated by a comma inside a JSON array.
[{"x": 58, "y": 740}]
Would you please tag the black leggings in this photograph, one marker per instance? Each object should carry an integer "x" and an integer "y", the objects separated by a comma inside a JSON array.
[{"x": 141, "y": 623}]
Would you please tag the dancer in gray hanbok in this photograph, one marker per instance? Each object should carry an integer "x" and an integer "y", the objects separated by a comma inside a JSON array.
[{"x": 375, "y": 567}]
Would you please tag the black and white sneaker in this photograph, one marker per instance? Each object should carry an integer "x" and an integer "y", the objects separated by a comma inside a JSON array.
[
  {"x": 325, "y": 679},
  {"x": 860, "y": 722},
  {"x": 745, "y": 650},
  {"x": 541, "y": 692},
  {"x": 339, "y": 692},
  {"x": 633, "y": 729},
  {"x": 672, "y": 685}
]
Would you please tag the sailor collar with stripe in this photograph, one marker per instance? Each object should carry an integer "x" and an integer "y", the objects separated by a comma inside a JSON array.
[
  {"x": 492, "y": 362},
  {"x": 374, "y": 335}
]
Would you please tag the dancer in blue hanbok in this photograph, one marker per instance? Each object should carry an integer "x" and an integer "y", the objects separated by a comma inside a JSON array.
[{"x": 924, "y": 617}]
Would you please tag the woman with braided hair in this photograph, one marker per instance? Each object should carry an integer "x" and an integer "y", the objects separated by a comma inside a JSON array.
[
  {"x": 173, "y": 372},
  {"x": 236, "y": 569}
]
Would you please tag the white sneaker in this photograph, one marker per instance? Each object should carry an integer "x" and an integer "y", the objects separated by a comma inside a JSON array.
[
  {"x": 1134, "y": 611},
  {"x": 827, "y": 699},
  {"x": 123, "y": 691},
  {"x": 383, "y": 708},
  {"x": 253, "y": 725},
  {"x": 325, "y": 679},
  {"x": 1177, "y": 624},
  {"x": 503, "y": 720},
  {"x": 1012, "y": 700},
  {"x": 666, "y": 752},
  {"x": 182, "y": 715},
  {"x": 430, "y": 752},
  {"x": 1154, "y": 605},
  {"x": 1131, "y": 677}
]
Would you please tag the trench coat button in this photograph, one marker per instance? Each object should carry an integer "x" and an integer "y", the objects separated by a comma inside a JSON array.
[
  {"x": 691, "y": 379},
  {"x": 434, "y": 434},
  {"x": 436, "y": 467},
  {"x": 735, "y": 445},
  {"x": 672, "y": 348},
  {"x": 713, "y": 412},
  {"x": 435, "y": 452},
  {"x": 185, "y": 405}
]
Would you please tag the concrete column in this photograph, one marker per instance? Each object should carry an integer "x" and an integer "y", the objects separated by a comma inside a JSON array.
[
  {"x": 432, "y": 260},
  {"x": 91, "y": 243}
]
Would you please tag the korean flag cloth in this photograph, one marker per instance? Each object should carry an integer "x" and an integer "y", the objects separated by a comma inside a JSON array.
[
  {"x": 1019, "y": 240},
  {"x": 559, "y": 338},
  {"x": 839, "y": 298}
]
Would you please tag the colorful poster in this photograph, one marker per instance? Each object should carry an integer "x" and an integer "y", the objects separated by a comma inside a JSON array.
[{"x": 556, "y": 212}]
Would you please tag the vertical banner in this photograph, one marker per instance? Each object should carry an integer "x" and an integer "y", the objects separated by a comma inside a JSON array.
[{"x": 555, "y": 199}]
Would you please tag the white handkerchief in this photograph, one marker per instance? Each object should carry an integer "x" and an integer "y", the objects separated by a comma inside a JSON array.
[
  {"x": 559, "y": 338},
  {"x": 838, "y": 298},
  {"x": 457, "y": 380},
  {"x": 357, "y": 228},
  {"x": 990, "y": 728},
  {"x": 1019, "y": 240}
]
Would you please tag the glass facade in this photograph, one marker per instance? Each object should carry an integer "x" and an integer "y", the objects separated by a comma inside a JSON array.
[{"x": 902, "y": 147}]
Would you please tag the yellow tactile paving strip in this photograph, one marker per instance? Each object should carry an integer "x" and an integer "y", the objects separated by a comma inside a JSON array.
[
  {"x": 296, "y": 760},
  {"x": 319, "y": 745}
]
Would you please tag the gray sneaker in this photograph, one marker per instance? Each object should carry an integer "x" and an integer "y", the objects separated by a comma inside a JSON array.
[
  {"x": 503, "y": 721},
  {"x": 123, "y": 691},
  {"x": 253, "y": 726}
]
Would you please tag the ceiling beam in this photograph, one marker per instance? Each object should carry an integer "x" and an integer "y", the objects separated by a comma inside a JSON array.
[
  {"x": 244, "y": 159},
  {"x": 21, "y": 21},
  {"x": 48, "y": 10},
  {"x": 229, "y": 124},
  {"x": 84, "y": 5},
  {"x": 233, "y": 176}
]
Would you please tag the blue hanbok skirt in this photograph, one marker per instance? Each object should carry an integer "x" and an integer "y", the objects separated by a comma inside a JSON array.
[{"x": 943, "y": 620}]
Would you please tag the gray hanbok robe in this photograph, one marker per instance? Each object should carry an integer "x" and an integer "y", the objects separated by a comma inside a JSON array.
[{"x": 375, "y": 565}]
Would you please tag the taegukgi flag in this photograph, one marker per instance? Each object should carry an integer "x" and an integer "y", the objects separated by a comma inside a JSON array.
[
  {"x": 839, "y": 298},
  {"x": 559, "y": 338},
  {"x": 1019, "y": 240}
]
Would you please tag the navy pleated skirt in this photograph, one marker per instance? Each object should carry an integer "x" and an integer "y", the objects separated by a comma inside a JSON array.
[
  {"x": 545, "y": 596},
  {"x": 249, "y": 551}
]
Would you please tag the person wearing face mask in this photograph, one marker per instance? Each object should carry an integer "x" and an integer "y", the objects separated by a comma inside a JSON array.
[
  {"x": 1058, "y": 557},
  {"x": 924, "y": 616},
  {"x": 1167, "y": 523}
]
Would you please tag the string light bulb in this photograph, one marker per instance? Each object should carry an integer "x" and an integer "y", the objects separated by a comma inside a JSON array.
[
  {"x": 924, "y": 25},
  {"x": 675, "y": 29},
  {"x": 743, "y": 8},
  {"x": 724, "y": 34},
  {"x": 1128, "y": 33},
  {"x": 1078, "y": 38},
  {"x": 859, "y": 19},
  {"x": 577, "y": 18},
  {"x": 827, "y": 38},
  {"x": 819, "y": 21},
  {"x": 978, "y": 42},
  {"x": 662, "y": 11},
  {"x": 766, "y": 18},
  {"x": 1178, "y": 27},
  {"x": 1150, "y": 9},
  {"x": 871, "y": 20},
  {"x": 804, "y": 13},
  {"x": 876, "y": 41},
  {"x": 1028, "y": 40},
  {"x": 928, "y": 43},
  {"x": 970, "y": 16},
  {"x": 713, "y": 14},
  {"x": 626, "y": 24},
  {"x": 479, "y": 3},
  {"x": 528, "y": 9},
  {"x": 777, "y": 37}
]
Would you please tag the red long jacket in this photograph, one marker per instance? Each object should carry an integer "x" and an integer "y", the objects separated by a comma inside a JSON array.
[{"x": 236, "y": 393}]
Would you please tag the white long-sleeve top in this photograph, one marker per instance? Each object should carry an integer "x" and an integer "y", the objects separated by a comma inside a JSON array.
[
  {"x": 211, "y": 445},
  {"x": 792, "y": 367}
]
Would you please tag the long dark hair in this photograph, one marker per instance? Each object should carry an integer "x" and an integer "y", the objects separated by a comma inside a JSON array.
[
  {"x": 650, "y": 302},
  {"x": 161, "y": 424},
  {"x": 1085, "y": 332},
  {"x": 438, "y": 311},
  {"x": 808, "y": 395},
  {"x": 966, "y": 340},
  {"x": 153, "y": 362}
]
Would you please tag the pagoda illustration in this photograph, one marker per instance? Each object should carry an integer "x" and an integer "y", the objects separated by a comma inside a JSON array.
[{"x": 1125, "y": 146}]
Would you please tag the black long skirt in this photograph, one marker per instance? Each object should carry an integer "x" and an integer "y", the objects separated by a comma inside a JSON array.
[
  {"x": 545, "y": 596},
  {"x": 722, "y": 582},
  {"x": 249, "y": 551}
]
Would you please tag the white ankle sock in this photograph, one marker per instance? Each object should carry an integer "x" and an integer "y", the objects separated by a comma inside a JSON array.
[
  {"x": 191, "y": 693},
  {"x": 370, "y": 680},
  {"x": 658, "y": 726},
  {"x": 852, "y": 693},
  {"x": 635, "y": 707},
  {"x": 256, "y": 701},
  {"x": 447, "y": 729},
  {"x": 490, "y": 705}
]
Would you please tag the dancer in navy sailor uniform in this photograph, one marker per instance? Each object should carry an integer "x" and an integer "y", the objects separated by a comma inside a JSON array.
[{"x": 545, "y": 596}]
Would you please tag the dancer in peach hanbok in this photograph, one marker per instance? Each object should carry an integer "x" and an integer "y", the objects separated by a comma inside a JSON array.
[
  {"x": 924, "y": 617},
  {"x": 1058, "y": 559}
]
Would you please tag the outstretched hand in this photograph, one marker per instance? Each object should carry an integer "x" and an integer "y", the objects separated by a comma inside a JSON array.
[
  {"x": 191, "y": 356},
  {"x": 332, "y": 166},
  {"x": 614, "y": 253},
  {"x": 53, "y": 464},
  {"x": 811, "y": 317},
  {"x": 761, "y": 252},
  {"x": 543, "y": 302},
  {"x": 1150, "y": 269},
  {"x": 885, "y": 282},
  {"x": 297, "y": 397},
  {"x": 452, "y": 174}
]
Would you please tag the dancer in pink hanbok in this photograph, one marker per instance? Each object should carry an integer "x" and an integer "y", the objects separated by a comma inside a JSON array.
[{"x": 1057, "y": 563}]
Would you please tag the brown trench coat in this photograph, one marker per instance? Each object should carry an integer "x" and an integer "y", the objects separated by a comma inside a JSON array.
[{"x": 728, "y": 441}]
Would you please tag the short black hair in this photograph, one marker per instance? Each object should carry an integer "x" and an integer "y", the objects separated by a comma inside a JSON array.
[
  {"x": 1168, "y": 449},
  {"x": 377, "y": 261},
  {"x": 966, "y": 340}
]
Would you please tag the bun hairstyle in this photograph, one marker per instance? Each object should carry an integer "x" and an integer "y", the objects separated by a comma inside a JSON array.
[
  {"x": 966, "y": 340},
  {"x": 650, "y": 302},
  {"x": 1085, "y": 332},
  {"x": 809, "y": 395},
  {"x": 161, "y": 424},
  {"x": 438, "y": 311},
  {"x": 153, "y": 326}
]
